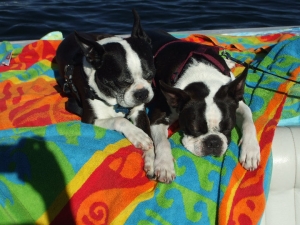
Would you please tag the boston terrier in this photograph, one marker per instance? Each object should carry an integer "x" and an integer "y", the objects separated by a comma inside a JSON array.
[
  {"x": 108, "y": 80},
  {"x": 194, "y": 86}
]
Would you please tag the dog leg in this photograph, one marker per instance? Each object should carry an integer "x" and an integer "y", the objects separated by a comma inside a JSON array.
[
  {"x": 250, "y": 150},
  {"x": 134, "y": 134},
  {"x": 140, "y": 119},
  {"x": 164, "y": 161}
]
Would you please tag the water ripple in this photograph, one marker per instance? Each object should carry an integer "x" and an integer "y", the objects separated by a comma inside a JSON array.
[{"x": 33, "y": 19}]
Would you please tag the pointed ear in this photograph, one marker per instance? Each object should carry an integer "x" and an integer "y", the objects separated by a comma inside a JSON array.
[
  {"x": 234, "y": 89},
  {"x": 91, "y": 49},
  {"x": 137, "y": 30},
  {"x": 176, "y": 98}
]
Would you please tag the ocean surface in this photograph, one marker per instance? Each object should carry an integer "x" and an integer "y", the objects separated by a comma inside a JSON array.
[{"x": 32, "y": 19}]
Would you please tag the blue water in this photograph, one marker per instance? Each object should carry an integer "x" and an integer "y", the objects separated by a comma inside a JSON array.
[{"x": 32, "y": 19}]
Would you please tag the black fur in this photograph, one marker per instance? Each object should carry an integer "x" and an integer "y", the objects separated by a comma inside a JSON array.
[
  {"x": 108, "y": 61},
  {"x": 190, "y": 103}
]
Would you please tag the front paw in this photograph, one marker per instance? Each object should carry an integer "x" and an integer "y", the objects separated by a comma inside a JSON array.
[
  {"x": 139, "y": 139},
  {"x": 149, "y": 163},
  {"x": 250, "y": 154},
  {"x": 164, "y": 169}
]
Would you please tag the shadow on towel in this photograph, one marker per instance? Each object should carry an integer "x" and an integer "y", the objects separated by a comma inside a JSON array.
[{"x": 32, "y": 164}]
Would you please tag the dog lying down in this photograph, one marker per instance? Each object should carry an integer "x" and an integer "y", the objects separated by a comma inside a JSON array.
[
  {"x": 108, "y": 78},
  {"x": 194, "y": 85}
]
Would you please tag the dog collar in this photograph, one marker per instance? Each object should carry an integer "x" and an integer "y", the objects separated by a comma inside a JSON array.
[
  {"x": 121, "y": 109},
  {"x": 210, "y": 53}
]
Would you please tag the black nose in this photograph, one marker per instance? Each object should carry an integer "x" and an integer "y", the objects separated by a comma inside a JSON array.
[
  {"x": 141, "y": 94},
  {"x": 213, "y": 144}
]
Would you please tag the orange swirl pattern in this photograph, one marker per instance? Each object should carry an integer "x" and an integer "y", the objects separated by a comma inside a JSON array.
[
  {"x": 116, "y": 180},
  {"x": 33, "y": 53},
  {"x": 109, "y": 186},
  {"x": 30, "y": 94},
  {"x": 98, "y": 213}
]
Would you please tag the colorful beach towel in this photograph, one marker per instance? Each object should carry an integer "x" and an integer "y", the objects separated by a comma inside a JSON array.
[{"x": 56, "y": 170}]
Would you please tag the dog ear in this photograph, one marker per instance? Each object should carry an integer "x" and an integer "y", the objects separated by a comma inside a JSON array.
[
  {"x": 234, "y": 89},
  {"x": 175, "y": 97},
  {"x": 91, "y": 49},
  {"x": 137, "y": 30}
]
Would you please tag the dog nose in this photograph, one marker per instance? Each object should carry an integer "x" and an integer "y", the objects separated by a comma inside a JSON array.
[
  {"x": 213, "y": 144},
  {"x": 141, "y": 94}
]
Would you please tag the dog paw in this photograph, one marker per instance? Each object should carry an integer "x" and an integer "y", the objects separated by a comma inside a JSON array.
[
  {"x": 250, "y": 155},
  {"x": 164, "y": 170},
  {"x": 149, "y": 163},
  {"x": 139, "y": 139}
]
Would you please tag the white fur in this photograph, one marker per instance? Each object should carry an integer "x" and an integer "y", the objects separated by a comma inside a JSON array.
[
  {"x": 90, "y": 72},
  {"x": 110, "y": 40},
  {"x": 212, "y": 78},
  {"x": 163, "y": 162},
  {"x": 250, "y": 150},
  {"x": 212, "y": 114},
  {"x": 104, "y": 111},
  {"x": 195, "y": 145},
  {"x": 134, "y": 134},
  {"x": 202, "y": 72},
  {"x": 134, "y": 65}
]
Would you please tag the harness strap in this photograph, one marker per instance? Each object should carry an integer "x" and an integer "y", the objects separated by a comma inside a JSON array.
[
  {"x": 74, "y": 103},
  {"x": 228, "y": 56},
  {"x": 69, "y": 87},
  {"x": 73, "y": 106},
  {"x": 210, "y": 53}
]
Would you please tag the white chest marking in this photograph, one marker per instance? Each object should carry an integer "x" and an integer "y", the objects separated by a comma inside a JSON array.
[{"x": 213, "y": 115}]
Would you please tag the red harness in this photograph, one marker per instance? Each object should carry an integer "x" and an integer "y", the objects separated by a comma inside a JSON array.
[{"x": 204, "y": 51}]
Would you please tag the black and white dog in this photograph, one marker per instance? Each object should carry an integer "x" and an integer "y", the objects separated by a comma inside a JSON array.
[
  {"x": 194, "y": 85},
  {"x": 108, "y": 78}
]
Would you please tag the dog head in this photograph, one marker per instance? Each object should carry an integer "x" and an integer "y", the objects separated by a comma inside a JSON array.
[
  {"x": 206, "y": 115},
  {"x": 120, "y": 68}
]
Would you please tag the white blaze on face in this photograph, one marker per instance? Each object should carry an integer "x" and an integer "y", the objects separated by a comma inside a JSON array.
[
  {"x": 213, "y": 115},
  {"x": 134, "y": 66},
  {"x": 213, "y": 79},
  {"x": 132, "y": 59}
]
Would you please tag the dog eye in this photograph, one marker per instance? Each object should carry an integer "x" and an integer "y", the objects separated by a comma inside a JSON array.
[
  {"x": 197, "y": 134},
  {"x": 226, "y": 126},
  {"x": 195, "y": 131},
  {"x": 125, "y": 82},
  {"x": 128, "y": 81},
  {"x": 149, "y": 76}
]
